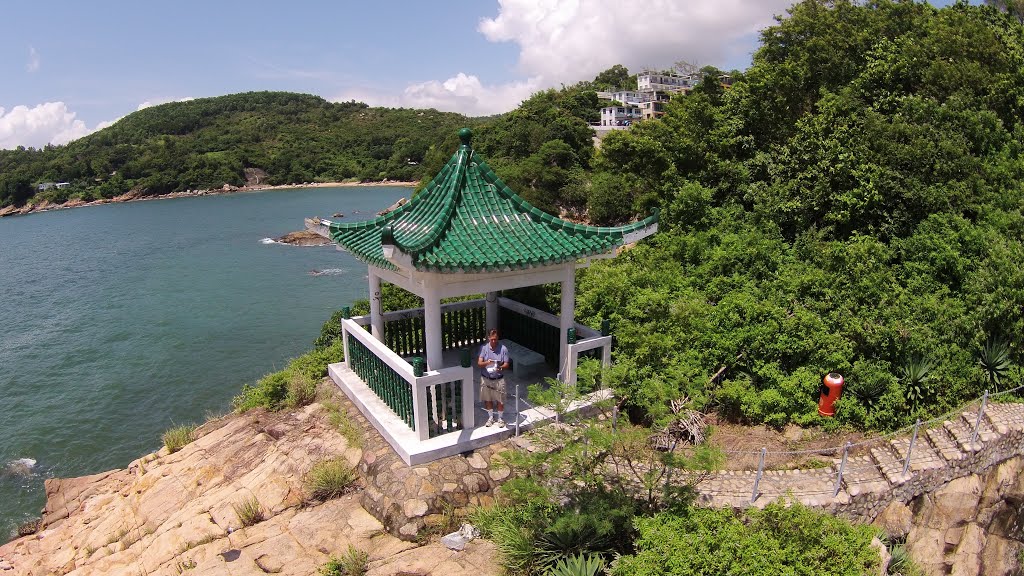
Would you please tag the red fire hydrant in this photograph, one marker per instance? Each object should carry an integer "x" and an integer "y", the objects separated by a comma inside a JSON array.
[{"x": 831, "y": 390}]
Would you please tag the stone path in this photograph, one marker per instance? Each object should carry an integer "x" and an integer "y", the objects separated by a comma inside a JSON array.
[{"x": 872, "y": 475}]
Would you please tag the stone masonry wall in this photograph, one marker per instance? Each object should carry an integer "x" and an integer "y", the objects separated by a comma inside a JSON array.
[{"x": 413, "y": 500}]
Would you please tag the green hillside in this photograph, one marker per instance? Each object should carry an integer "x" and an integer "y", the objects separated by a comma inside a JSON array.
[
  {"x": 208, "y": 142},
  {"x": 852, "y": 203}
]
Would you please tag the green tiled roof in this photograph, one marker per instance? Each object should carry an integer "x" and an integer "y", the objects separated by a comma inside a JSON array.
[{"x": 467, "y": 220}]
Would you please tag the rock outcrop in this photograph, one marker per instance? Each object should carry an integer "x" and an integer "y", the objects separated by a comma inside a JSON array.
[
  {"x": 303, "y": 238},
  {"x": 175, "y": 513},
  {"x": 972, "y": 525}
]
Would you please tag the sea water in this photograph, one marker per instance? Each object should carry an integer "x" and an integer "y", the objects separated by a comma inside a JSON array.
[{"x": 119, "y": 321}]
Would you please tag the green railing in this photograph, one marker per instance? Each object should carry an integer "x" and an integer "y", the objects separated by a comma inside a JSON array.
[
  {"x": 536, "y": 335},
  {"x": 461, "y": 326},
  {"x": 444, "y": 408},
  {"x": 406, "y": 336},
  {"x": 387, "y": 384}
]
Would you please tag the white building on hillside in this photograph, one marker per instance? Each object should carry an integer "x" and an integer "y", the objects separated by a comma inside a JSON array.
[
  {"x": 648, "y": 81},
  {"x": 619, "y": 115},
  {"x": 629, "y": 97}
]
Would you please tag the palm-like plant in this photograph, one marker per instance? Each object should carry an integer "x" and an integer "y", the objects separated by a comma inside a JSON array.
[
  {"x": 578, "y": 565},
  {"x": 869, "y": 391},
  {"x": 573, "y": 534},
  {"x": 994, "y": 360},
  {"x": 913, "y": 376}
]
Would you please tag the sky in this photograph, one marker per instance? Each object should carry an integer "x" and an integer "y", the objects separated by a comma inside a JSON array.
[{"x": 69, "y": 68}]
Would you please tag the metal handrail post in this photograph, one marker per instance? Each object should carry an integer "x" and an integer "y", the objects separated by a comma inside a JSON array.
[
  {"x": 517, "y": 410},
  {"x": 757, "y": 479},
  {"x": 977, "y": 423},
  {"x": 910, "y": 450},
  {"x": 842, "y": 467}
]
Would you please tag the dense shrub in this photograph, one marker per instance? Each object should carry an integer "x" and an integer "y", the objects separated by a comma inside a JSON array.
[
  {"x": 853, "y": 210},
  {"x": 781, "y": 539}
]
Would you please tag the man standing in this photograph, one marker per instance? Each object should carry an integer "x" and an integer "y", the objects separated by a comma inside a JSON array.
[{"x": 493, "y": 362}]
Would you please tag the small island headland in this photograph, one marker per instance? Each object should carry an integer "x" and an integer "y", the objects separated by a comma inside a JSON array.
[{"x": 134, "y": 196}]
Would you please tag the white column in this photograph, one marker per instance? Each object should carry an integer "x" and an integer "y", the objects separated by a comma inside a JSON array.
[
  {"x": 491, "y": 319},
  {"x": 570, "y": 371},
  {"x": 567, "y": 318},
  {"x": 432, "y": 323},
  {"x": 468, "y": 398},
  {"x": 419, "y": 412},
  {"x": 344, "y": 344},
  {"x": 376, "y": 318}
]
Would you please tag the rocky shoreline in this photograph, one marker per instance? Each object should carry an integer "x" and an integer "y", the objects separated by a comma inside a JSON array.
[
  {"x": 171, "y": 513},
  {"x": 46, "y": 206}
]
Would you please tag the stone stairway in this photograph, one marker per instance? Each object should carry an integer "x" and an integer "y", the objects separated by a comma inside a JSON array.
[{"x": 873, "y": 474}]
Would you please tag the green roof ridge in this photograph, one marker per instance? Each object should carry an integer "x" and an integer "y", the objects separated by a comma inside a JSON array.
[{"x": 467, "y": 219}]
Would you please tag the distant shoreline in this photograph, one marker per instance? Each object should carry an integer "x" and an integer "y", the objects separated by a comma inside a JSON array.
[{"x": 46, "y": 206}]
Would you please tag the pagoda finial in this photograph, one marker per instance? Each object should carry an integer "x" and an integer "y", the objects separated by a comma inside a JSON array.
[{"x": 466, "y": 135}]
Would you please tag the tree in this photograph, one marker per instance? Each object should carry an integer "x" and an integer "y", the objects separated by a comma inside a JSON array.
[
  {"x": 1014, "y": 8},
  {"x": 616, "y": 77},
  {"x": 15, "y": 189}
]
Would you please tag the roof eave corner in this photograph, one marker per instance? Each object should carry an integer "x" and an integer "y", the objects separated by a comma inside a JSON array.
[
  {"x": 639, "y": 234},
  {"x": 396, "y": 256},
  {"x": 319, "y": 226},
  {"x": 645, "y": 228}
]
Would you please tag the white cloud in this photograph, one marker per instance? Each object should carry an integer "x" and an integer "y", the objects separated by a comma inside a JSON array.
[
  {"x": 158, "y": 102},
  {"x": 565, "y": 41},
  {"x": 462, "y": 93},
  {"x": 48, "y": 123},
  {"x": 33, "y": 60},
  {"x": 568, "y": 41},
  {"x": 52, "y": 123}
]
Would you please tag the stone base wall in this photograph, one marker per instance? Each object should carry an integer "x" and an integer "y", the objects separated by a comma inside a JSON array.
[{"x": 413, "y": 500}]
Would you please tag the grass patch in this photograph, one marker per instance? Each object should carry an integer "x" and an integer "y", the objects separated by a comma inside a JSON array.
[
  {"x": 194, "y": 544},
  {"x": 301, "y": 390},
  {"x": 344, "y": 424},
  {"x": 116, "y": 537},
  {"x": 352, "y": 563},
  {"x": 249, "y": 512},
  {"x": 293, "y": 386},
  {"x": 177, "y": 437},
  {"x": 329, "y": 479}
]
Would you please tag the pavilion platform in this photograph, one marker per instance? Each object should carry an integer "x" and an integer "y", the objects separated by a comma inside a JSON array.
[{"x": 439, "y": 413}]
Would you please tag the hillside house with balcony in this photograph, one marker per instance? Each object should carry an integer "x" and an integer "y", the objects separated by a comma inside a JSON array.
[{"x": 619, "y": 115}]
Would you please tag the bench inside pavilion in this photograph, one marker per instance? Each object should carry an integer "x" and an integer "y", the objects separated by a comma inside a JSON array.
[{"x": 464, "y": 234}]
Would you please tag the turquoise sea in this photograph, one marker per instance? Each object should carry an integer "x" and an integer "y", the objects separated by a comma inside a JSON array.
[{"x": 121, "y": 320}]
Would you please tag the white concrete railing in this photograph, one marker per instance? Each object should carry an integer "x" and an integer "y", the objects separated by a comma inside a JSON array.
[
  {"x": 418, "y": 312},
  {"x": 418, "y": 384},
  {"x": 590, "y": 338},
  {"x": 545, "y": 317},
  {"x": 603, "y": 342},
  {"x": 412, "y": 313}
]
